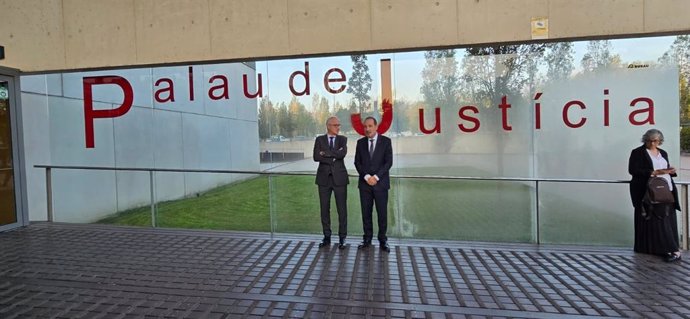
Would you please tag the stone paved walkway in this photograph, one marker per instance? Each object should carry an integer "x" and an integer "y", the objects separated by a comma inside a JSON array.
[{"x": 93, "y": 271}]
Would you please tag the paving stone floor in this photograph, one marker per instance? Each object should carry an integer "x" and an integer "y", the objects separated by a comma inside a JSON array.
[{"x": 93, "y": 271}]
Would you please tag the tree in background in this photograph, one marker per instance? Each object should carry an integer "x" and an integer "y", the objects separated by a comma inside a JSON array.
[
  {"x": 440, "y": 89},
  {"x": 321, "y": 111},
  {"x": 302, "y": 121},
  {"x": 679, "y": 54},
  {"x": 359, "y": 83},
  {"x": 402, "y": 119},
  {"x": 343, "y": 114},
  {"x": 285, "y": 123},
  {"x": 494, "y": 71},
  {"x": 599, "y": 56},
  {"x": 440, "y": 78},
  {"x": 268, "y": 119},
  {"x": 504, "y": 70},
  {"x": 559, "y": 58}
]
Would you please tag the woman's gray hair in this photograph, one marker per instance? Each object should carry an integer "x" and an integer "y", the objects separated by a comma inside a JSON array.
[{"x": 651, "y": 135}]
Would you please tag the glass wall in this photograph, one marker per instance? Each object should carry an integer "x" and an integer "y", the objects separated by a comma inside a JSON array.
[{"x": 512, "y": 115}]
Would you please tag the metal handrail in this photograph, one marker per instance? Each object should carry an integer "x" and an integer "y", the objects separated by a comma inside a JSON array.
[
  {"x": 685, "y": 239},
  {"x": 305, "y": 173}
]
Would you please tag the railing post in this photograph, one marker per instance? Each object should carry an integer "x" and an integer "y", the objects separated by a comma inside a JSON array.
[
  {"x": 271, "y": 204},
  {"x": 684, "y": 216},
  {"x": 536, "y": 195},
  {"x": 49, "y": 195},
  {"x": 153, "y": 200}
]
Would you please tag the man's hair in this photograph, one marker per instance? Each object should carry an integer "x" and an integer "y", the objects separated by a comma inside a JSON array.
[
  {"x": 371, "y": 118},
  {"x": 330, "y": 118}
]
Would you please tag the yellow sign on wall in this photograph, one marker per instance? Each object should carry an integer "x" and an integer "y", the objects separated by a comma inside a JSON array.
[{"x": 540, "y": 28}]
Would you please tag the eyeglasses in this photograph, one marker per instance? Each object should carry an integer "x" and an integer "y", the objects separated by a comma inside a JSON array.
[
  {"x": 334, "y": 124},
  {"x": 655, "y": 141}
]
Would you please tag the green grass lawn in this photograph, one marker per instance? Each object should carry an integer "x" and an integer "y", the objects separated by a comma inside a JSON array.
[
  {"x": 418, "y": 208},
  {"x": 237, "y": 206}
]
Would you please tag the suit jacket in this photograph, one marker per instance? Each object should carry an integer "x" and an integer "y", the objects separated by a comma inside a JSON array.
[
  {"x": 379, "y": 165},
  {"x": 332, "y": 161},
  {"x": 640, "y": 167}
]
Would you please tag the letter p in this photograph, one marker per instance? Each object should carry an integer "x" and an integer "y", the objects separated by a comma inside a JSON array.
[{"x": 90, "y": 114}]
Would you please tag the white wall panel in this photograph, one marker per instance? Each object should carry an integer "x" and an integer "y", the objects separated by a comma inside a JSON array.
[
  {"x": 223, "y": 73},
  {"x": 36, "y": 151},
  {"x": 83, "y": 196},
  {"x": 139, "y": 79},
  {"x": 168, "y": 153},
  {"x": 206, "y": 146},
  {"x": 134, "y": 148},
  {"x": 188, "y": 97},
  {"x": 67, "y": 135},
  {"x": 244, "y": 154},
  {"x": 247, "y": 108}
]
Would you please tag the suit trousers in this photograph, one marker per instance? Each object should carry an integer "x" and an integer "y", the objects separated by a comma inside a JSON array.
[
  {"x": 341, "y": 206},
  {"x": 369, "y": 197}
]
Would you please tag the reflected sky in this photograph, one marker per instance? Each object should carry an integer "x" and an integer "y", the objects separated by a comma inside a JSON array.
[{"x": 407, "y": 68}]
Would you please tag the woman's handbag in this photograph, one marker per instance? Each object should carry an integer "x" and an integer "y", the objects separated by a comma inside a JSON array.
[{"x": 659, "y": 192}]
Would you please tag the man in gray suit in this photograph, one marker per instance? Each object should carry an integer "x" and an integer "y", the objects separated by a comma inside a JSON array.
[{"x": 331, "y": 176}]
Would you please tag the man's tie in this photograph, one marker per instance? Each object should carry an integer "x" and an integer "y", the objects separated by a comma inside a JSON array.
[
  {"x": 371, "y": 148},
  {"x": 330, "y": 143}
]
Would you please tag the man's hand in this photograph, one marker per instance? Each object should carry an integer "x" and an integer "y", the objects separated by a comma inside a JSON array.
[{"x": 372, "y": 181}]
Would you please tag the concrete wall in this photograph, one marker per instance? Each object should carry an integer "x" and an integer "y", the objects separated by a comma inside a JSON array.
[
  {"x": 197, "y": 133},
  {"x": 43, "y": 35}
]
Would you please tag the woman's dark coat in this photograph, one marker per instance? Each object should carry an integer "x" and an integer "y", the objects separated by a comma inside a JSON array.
[{"x": 641, "y": 168}]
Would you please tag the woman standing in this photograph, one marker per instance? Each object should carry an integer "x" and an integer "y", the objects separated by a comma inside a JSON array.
[{"x": 655, "y": 233}]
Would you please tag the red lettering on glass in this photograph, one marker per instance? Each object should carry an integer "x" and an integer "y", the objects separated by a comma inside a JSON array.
[
  {"x": 327, "y": 79},
  {"x": 437, "y": 122},
  {"x": 537, "y": 112},
  {"x": 567, "y": 121},
  {"x": 649, "y": 110},
  {"x": 387, "y": 107},
  {"x": 305, "y": 75},
  {"x": 259, "y": 89},
  {"x": 169, "y": 89},
  {"x": 606, "y": 108},
  {"x": 90, "y": 114},
  {"x": 190, "y": 75},
  {"x": 504, "y": 106},
  {"x": 222, "y": 86},
  {"x": 465, "y": 117}
]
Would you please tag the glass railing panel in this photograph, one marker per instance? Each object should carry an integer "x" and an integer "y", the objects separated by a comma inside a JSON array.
[
  {"x": 585, "y": 214},
  {"x": 218, "y": 201},
  {"x": 497, "y": 211},
  {"x": 133, "y": 198},
  {"x": 295, "y": 205},
  {"x": 83, "y": 196},
  {"x": 189, "y": 200}
]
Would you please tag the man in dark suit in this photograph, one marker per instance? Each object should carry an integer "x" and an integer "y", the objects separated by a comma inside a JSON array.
[
  {"x": 373, "y": 160},
  {"x": 331, "y": 176}
]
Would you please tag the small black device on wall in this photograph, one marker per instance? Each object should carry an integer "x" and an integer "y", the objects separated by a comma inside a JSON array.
[{"x": 2, "y": 52}]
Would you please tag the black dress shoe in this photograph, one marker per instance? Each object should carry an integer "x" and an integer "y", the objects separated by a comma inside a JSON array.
[
  {"x": 672, "y": 258},
  {"x": 384, "y": 247},
  {"x": 325, "y": 243},
  {"x": 364, "y": 244},
  {"x": 341, "y": 244}
]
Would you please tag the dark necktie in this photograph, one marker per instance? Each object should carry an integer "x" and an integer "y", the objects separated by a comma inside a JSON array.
[
  {"x": 371, "y": 148},
  {"x": 330, "y": 143}
]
